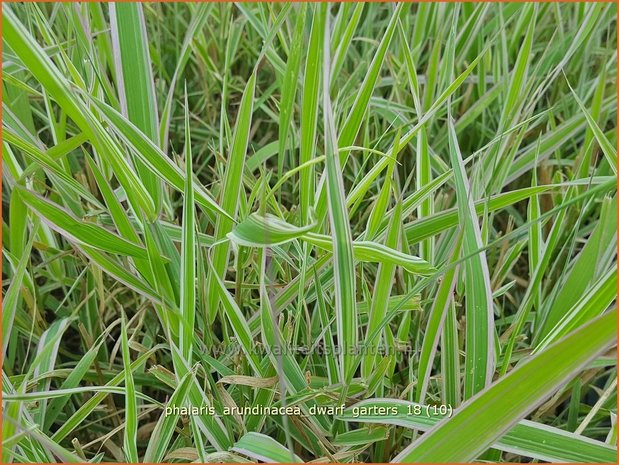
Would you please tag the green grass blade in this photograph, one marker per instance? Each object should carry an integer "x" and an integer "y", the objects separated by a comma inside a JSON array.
[
  {"x": 491, "y": 413},
  {"x": 268, "y": 230},
  {"x": 289, "y": 86},
  {"x": 436, "y": 319},
  {"x": 135, "y": 80},
  {"x": 378, "y": 213},
  {"x": 585, "y": 268},
  {"x": 198, "y": 20},
  {"x": 87, "y": 407},
  {"x": 350, "y": 205},
  {"x": 359, "y": 190},
  {"x": 231, "y": 189},
  {"x": 11, "y": 299},
  {"x": 237, "y": 321},
  {"x": 20, "y": 40},
  {"x": 609, "y": 151},
  {"x": 188, "y": 254},
  {"x": 309, "y": 111},
  {"x": 162, "y": 434},
  {"x": 480, "y": 358},
  {"x": 344, "y": 43},
  {"x": 153, "y": 157},
  {"x": 346, "y": 313},
  {"x": 593, "y": 303},
  {"x": 351, "y": 126},
  {"x": 528, "y": 438},
  {"x": 80, "y": 231},
  {"x": 382, "y": 290},
  {"x": 131, "y": 415},
  {"x": 262, "y": 447}
]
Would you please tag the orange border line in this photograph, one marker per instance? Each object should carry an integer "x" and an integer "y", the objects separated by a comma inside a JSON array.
[{"x": 309, "y": 1}]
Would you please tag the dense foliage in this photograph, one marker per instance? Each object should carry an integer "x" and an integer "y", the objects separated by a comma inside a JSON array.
[{"x": 293, "y": 232}]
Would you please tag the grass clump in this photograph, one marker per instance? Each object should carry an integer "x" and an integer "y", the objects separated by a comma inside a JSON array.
[{"x": 394, "y": 226}]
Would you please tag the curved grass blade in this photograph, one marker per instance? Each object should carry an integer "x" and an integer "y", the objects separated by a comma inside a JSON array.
[
  {"x": 491, "y": 413},
  {"x": 44, "y": 70},
  {"x": 87, "y": 407},
  {"x": 369, "y": 251},
  {"x": 480, "y": 357},
  {"x": 593, "y": 303},
  {"x": 361, "y": 187},
  {"x": 162, "y": 434},
  {"x": 609, "y": 151},
  {"x": 528, "y": 438},
  {"x": 45, "y": 161},
  {"x": 79, "y": 231},
  {"x": 119, "y": 271},
  {"x": 264, "y": 448},
  {"x": 360, "y": 106},
  {"x": 268, "y": 230},
  {"x": 153, "y": 157}
]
